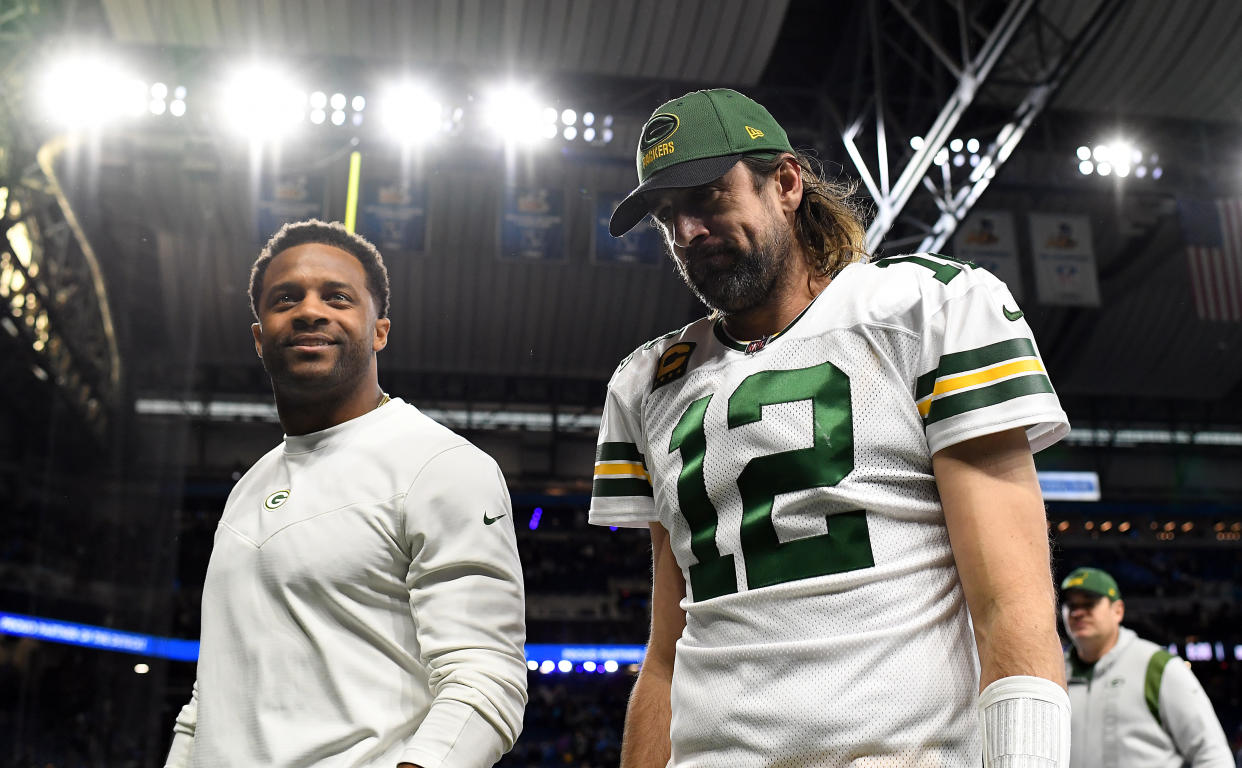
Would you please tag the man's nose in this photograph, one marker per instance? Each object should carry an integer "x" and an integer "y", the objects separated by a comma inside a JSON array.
[
  {"x": 687, "y": 227},
  {"x": 310, "y": 311}
]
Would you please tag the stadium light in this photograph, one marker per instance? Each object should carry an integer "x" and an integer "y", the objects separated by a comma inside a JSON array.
[
  {"x": 409, "y": 112},
  {"x": 263, "y": 102},
  {"x": 513, "y": 113},
  {"x": 91, "y": 91}
]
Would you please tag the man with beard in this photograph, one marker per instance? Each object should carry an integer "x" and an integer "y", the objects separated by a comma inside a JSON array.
[
  {"x": 363, "y": 605},
  {"x": 835, "y": 466}
]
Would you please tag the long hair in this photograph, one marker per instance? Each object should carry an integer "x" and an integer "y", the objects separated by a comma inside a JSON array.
[{"x": 829, "y": 223}]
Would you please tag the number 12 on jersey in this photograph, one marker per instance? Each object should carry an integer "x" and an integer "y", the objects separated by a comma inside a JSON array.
[{"x": 845, "y": 547}]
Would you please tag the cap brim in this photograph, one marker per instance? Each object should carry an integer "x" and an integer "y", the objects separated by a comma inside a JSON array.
[{"x": 691, "y": 173}]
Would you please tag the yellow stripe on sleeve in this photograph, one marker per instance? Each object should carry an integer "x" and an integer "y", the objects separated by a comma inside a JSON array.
[
  {"x": 632, "y": 469},
  {"x": 985, "y": 376}
]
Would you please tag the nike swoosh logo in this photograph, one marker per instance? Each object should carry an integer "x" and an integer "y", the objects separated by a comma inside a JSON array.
[
  {"x": 1011, "y": 316},
  {"x": 489, "y": 520}
]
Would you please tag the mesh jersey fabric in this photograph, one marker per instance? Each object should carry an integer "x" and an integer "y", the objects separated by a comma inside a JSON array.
[{"x": 825, "y": 622}]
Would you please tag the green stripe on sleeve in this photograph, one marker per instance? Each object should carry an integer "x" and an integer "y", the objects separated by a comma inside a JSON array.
[
  {"x": 954, "y": 405},
  {"x": 618, "y": 452},
  {"x": 620, "y": 486},
  {"x": 1151, "y": 683},
  {"x": 1000, "y": 352},
  {"x": 969, "y": 360}
]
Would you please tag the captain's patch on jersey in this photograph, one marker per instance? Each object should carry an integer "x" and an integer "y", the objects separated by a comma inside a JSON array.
[{"x": 673, "y": 363}]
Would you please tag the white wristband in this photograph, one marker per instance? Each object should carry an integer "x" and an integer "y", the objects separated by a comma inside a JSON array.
[{"x": 1025, "y": 723}]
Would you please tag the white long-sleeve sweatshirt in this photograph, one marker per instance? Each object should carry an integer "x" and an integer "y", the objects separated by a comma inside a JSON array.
[
  {"x": 1140, "y": 707},
  {"x": 363, "y": 606}
]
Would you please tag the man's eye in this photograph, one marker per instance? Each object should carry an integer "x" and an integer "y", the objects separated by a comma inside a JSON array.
[{"x": 339, "y": 297}]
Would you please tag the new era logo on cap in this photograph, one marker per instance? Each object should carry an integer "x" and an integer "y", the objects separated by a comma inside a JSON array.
[{"x": 754, "y": 133}]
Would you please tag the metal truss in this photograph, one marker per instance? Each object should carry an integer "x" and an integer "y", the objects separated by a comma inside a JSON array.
[
  {"x": 52, "y": 295},
  {"x": 1010, "y": 59}
]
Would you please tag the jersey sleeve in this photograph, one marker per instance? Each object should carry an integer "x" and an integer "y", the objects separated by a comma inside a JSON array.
[
  {"x": 980, "y": 371},
  {"x": 621, "y": 492}
]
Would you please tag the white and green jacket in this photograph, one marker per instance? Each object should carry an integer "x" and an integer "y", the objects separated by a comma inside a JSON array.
[{"x": 1135, "y": 709}]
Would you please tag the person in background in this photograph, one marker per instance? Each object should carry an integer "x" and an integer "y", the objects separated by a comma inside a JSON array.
[
  {"x": 1134, "y": 704},
  {"x": 363, "y": 604}
]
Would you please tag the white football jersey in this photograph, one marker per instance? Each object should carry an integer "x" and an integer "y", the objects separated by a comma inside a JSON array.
[{"x": 825, "y": 622}]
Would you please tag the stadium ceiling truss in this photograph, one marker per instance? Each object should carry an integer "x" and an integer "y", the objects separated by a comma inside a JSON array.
[
  {"x": 1007, "y": 68},
  {"x": 52, "y": 296}
]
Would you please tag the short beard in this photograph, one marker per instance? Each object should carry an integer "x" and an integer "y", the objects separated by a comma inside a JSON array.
[
  {"x": 352, "y": 360},
  {"x": 747, "y": 282}
]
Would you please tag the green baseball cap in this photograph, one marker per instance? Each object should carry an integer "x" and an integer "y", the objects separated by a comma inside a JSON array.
[
  {"x": 693, "y": 140},
  {"x": 1092, "y": 580}
]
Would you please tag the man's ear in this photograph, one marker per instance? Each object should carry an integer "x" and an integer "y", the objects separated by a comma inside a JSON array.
[
  {"x": 789, "y": 181},
  {"x": 380, "y": 340},
  {"x": 256, "y": 330},
  {"x": 1119, "y": 609}
]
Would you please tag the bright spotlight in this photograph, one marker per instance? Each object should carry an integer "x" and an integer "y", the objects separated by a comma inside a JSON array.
[
  {"x": 338, "y": 117},
  {"x": 337, "y": 101},
  {"x": 179, "y": 92},
  {"x": 959, "y": 160},
  {"x": 359, "y": 103},
  {"x": 317, "y": 116},
  {"x": 571, "y": 133},
  {"x": 588, "y": 118},
  {"x": 1100, "y": 153},
  {"x": 141, "y": 668},
  {"x": 1157, "y": 172},
  {"x": 1141, "y": 171},
  {"x": 159, "y": 91},
  {"x": 409, "y": 112},
  {"x": 610, "y": 666},
  {"x": 942, "y": 157},
  {"x": 588, "y": 134},
  {"x": 1123, "y": 170},
  {"x": 177, "y": 108},
  {"x": 569, "y": 117},
  {"x": 1104, "y": 169},
  {"x": 1084, "y": 153},
  {"x": 514, "y": 113},
  {"x": 607, "y": 135},
  {"x": 1086, "y": 167},
  {"x": 158, "y": 107},
  {"x": 956, "y": 145},
  {"x": 916, "y": 143},
  {"x": 319, "y": 100},
  {"x": 589, "y": 666},
  {"x": 532, "y": 665},
  {"x": 972, "y": 145},
  {"x": 89, "y": 90},
  {"x": 564, "y": 665},
  {"x": 547, "y": 666},
  {"x": 262, "y": 102}
]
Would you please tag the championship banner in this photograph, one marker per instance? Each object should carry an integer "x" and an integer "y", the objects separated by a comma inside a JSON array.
[
  {"x": 285, "y": 198},
  {"x": 641, "y": 245},
  {"x": 1064, "y": 260},
  {"x": 987, "y": 239},
  {"x": 532, "y": 225},
  {"x": 393, "y": 215}
]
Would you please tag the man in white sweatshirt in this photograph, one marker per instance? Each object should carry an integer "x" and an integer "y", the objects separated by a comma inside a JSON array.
[
  {"x": 363, "y": 605},
  {"x": 1133, "y": 704}
]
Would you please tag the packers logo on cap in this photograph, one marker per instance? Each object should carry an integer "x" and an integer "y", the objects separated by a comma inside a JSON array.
[{"x": 657, "y": 129}]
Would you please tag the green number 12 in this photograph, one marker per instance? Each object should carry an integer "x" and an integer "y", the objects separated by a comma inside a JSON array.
[{"x": 845, "y": 547}]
